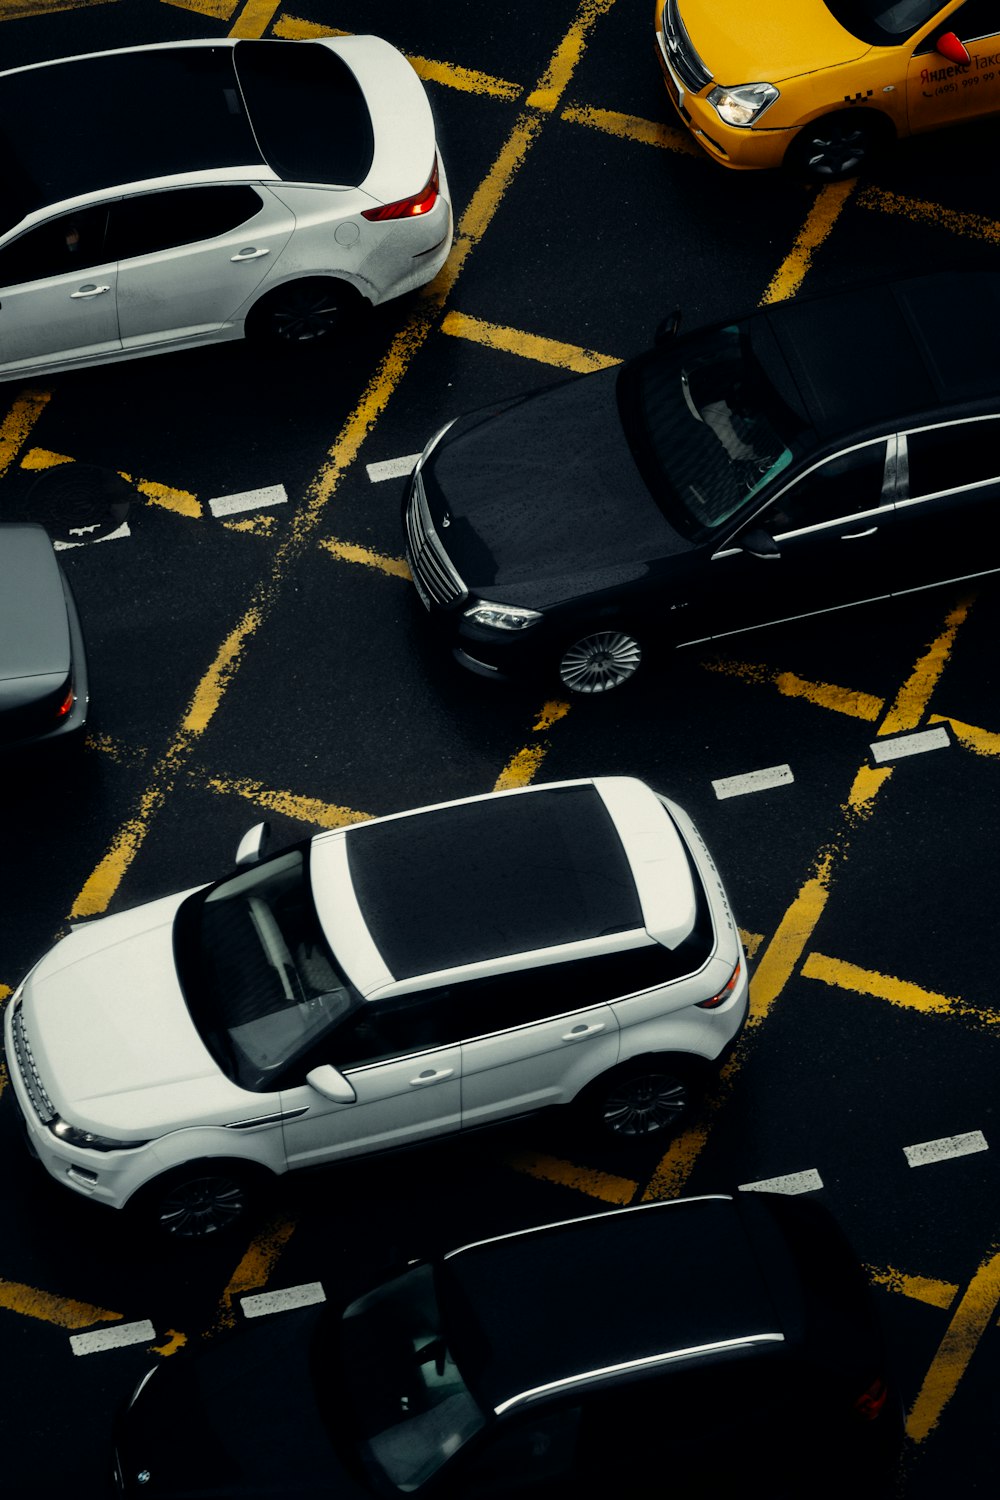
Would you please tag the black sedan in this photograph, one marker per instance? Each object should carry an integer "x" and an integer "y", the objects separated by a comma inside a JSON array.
[
  {"x": 43, "y": 665},
  {"x": 731, "y": 1337},
  {"x": 813, "y": 455}
]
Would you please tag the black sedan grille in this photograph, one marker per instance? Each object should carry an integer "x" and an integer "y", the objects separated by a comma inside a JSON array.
[
  {"x": 685, "y": 60},
  {"x": 25, "y": 1061},
  {"x": 429, "y": 563}
]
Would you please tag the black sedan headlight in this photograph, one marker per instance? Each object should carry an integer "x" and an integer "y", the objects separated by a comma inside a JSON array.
[{"x": 501, "y": 616}]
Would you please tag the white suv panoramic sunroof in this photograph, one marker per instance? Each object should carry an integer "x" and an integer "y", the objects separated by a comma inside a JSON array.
[{"x": 378, "y": 986}]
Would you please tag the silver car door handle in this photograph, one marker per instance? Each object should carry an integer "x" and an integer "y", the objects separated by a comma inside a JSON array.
[
  {"x": 579, "y": 1032},
  {"x": 90, "y": 290},
  {"x": 850, "y": 536},
  {"x": 249, "y": 254},
  {"x": 431, "y": 1076}
]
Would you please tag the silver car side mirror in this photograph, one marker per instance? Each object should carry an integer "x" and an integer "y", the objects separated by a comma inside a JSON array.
[{"x": 253, "y": 844}]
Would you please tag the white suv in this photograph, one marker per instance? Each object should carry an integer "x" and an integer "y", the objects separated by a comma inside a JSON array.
[
  {"x": 161, "y": 197},
  {"x": 380, "y": 985}
]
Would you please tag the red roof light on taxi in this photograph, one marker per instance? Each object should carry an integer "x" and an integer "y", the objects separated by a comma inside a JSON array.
[{"x": 408, "y": 208}]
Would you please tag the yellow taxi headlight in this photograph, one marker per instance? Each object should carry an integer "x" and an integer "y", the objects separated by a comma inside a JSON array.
[{"x": 742, "y": 105}]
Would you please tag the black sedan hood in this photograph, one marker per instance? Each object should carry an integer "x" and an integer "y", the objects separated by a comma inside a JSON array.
[
  {"x": 237, "y": 1418},
  {"x": 542, "y": 499}
]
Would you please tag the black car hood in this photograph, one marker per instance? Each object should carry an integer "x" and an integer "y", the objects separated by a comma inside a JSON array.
[
  {"x": 237, "y": 1418},
  {"x": 542, "y": 499}
]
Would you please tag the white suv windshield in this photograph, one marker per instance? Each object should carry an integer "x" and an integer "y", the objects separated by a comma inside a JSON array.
[{"x": 257, "y": 972}]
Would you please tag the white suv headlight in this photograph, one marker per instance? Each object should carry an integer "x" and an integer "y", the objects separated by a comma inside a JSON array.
[
  {"x": 502, "y": 616},
  {"x": 74, "y": 1136},
  {"x": 744, "y": 104}
]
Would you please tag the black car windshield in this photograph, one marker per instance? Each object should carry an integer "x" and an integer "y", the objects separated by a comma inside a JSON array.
[
  {"x": 705, "y": 426},
  {"x": 412, "y": 1409},
  {"x": 257, "y": 972},
  {"x": 883, "y": 23}
]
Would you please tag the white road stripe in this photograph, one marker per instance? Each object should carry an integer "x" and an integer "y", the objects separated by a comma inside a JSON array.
[
  {"x": 112, "y": 1338},
  {"x": 753, "y": 781},
  {"x": 392, "y": 468},
  {"x": 948, "y": 1145},
  {"x": 911, "y": 744},
  {"x": 232, "y": 505},
  {"x": 112, "y": 536},
  {"x": 795, "y": 1182},
  {"x": 283, "y": 1301}
]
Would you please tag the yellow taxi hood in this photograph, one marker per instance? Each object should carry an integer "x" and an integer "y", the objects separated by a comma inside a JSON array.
[{"x": 768, "y": 41}]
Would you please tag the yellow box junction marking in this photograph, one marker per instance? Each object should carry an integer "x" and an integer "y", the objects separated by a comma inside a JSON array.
[
  {"x": 254, "y": 19},
  {"x": 255, "y": 1268},
  {"x": 823, "y": 694},
  {"x": 915, "y": 694},
  {"x": 899, "y": 992},
  {"x": 919, "y": 211},
  {"x": 633, "y": 128},
  {"x": 527, "y": 345},
  {"x": 289, "y": 804},
  {"x": 971, "y": 1319},
  {"x": 18, "y": 10},
  {"x": 820, "y": 220},
  {"x": 982, "y": 741},
  {"x": 17, "y": 424},
  {"x": 939, "y": 1294},
  {"x": 524, "y": 764},
  {"x": 348, "y": 552},
  {"x": 602, "y": 1185},
  {"x": 552, "y": 86},
  {"x": 219, "y": 10},
  {"x": 64, "y": 1312}
]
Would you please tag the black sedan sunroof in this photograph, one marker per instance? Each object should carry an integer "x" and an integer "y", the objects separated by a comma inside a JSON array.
[{"x": 458, "y": 885}]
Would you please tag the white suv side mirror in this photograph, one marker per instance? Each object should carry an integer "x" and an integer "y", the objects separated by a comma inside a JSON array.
[
  {"x": 331, "y": 1084},
  {"x": 253, "y": 844}
]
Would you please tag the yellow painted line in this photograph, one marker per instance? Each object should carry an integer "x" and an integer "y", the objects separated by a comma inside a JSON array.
[
  {"x": 845, "y": 976},
  {"x": 527, "y": 345},
  {"x": 5, "y": 991},
  {"x": 782, "y": 954},
  {"x": 633, "y": 128},
  {"x": 550, "y": 714},
  {"x": 915, "y": 694},
  {"x": 602, "y": 1185},
  {"x": 972, "y": 1317},
  {"x": 522, "y": 767},
  {"x": 677, "y": 1163},
  {"x": 254, "y": 19},
  {"x": 114, "y": 749},
  {"x": 860, "y": 803},
  {"x": 258, "y": 525},
  {"x": 18, "y": 10},
  {"x": 64, "y": 1312},
  {"x": 566, "y": 56},
  {"x": 820, "y": 220},
  {"x": 920, "y": 1288},
  {"x": 17, "y": 424},
  {"x": 219, "y": 10},
  {"x": 348, "y": 552},
  {"x": 182, "y": 502},
  {"x": 174, "y": 1342},
  {"x": 4, "y": 1077},
  {"x": 751, "y": 941},
  {"x": 43, "y": 458},
  {"x": 982, "y": 741},
  {"x": 919, "y": 211},
  {"x": 303, "y": 809},
  {"x": 256, "y": 1266},
  {"x": 431, "y": 70},
  {"x": 841, "y": 700}
]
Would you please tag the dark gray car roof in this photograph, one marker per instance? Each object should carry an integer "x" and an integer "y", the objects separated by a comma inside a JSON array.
[
  {"x": 460, "y": 884},
  {"x": 34, "y": 626}
]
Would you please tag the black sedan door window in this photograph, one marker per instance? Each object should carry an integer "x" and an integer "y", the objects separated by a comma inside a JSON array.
[{"x": 945, "y": 525}]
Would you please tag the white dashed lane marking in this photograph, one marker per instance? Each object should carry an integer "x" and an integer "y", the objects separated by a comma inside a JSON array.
[
  {"x": 946, "y": 1147},
  {"x": 795, "y": 1182},
  {"x": 753, "y": 781},
  {"x": 112, "y": 1338},
  {"x": 263, "y": 499},
  {"x": 911, "y": 744},
  {"x": 113, "y": 536},
  {"x": 305, "y": 1295},
  {"x": 392, "y": 468}
]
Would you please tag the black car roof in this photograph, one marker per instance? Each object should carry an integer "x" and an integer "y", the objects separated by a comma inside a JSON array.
[
  {"x": 601, "y": 1292},
  {"x": 880, "y": 353},
  {"x": 92, "y": 123},
  {"x": 461, "y": 884}
]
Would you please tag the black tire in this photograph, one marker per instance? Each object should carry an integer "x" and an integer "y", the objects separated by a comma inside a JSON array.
[
  {"x": 303, "y": 312},
  {"x": 203, "y": 1200},
  {"x": 599, "y": 660},
  {"x": 652, "y": 1096},
  {"x": 836, "y": 146}
]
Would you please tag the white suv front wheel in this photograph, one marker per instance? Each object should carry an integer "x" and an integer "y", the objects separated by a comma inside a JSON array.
[{"x": 196, "y": 1201}]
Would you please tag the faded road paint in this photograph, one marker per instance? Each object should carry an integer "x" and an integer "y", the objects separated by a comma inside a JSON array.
[
  {"x": 820, "y": 220},
  {"x": 972, "y": 1317},
  {"x": 527, "y": 345}
]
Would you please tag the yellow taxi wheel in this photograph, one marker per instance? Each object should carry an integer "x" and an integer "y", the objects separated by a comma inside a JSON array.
[{"x": 835, "y": 146}]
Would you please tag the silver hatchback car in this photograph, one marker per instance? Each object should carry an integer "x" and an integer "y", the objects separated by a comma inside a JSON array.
[{"x": 166, "y": 196}]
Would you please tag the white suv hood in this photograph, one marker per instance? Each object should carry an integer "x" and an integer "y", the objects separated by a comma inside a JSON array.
[{"x": 111, "y": 1035}]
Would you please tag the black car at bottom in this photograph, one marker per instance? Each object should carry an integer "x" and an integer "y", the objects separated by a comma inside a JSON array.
[
  {"x": 816, "y": 454},
  {"x": 728, "y": 1340}
]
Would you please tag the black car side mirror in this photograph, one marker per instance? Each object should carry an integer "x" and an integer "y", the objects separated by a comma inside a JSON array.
[
  {"x": 758, "y": 543},
  {"x": 667, "y": 330}
]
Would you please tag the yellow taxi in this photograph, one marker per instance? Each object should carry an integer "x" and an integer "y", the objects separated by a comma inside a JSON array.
[{"x": 820, "y": 84}]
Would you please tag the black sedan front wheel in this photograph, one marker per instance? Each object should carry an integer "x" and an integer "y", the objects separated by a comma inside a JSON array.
[{"x": 600, "y": 661}]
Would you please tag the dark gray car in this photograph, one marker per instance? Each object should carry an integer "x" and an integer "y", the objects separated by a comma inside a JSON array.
[{"x": 43, "y": 664}]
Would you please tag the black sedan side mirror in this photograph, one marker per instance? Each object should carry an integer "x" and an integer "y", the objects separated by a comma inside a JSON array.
[
  {"x": 667, "y": 330},
  {"x": 759, "y": 543}
]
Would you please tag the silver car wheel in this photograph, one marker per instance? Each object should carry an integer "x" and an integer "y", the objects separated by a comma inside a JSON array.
[
  {"x": 600, "y": 662},
  {"x": 198, "y": 1206},
  {"x": 644, "y": 1104}
]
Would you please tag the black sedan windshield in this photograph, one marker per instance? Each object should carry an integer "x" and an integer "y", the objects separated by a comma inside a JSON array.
[
  {"x": 705, "y": 426},
  {"x": 257, "y": 972}
]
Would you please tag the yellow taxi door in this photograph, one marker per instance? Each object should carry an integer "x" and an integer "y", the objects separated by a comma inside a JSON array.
[{"x": 940, "y": 91}]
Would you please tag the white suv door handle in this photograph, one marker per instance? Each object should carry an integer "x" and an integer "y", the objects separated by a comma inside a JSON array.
[
  {"x": 249, "y": 254},
  {"x": 431, "y": 1076},
  {"x": 90, "y": 290},
  {"x": 579, "y": 1032}
]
